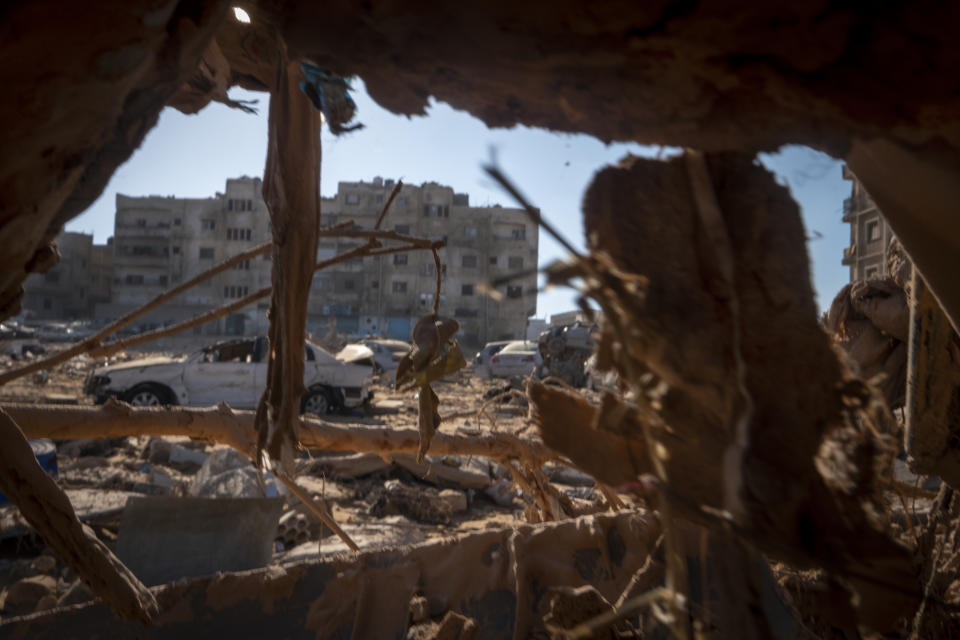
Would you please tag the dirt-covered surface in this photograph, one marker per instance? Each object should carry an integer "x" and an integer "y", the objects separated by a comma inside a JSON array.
[{"x": 379, "y": 503}]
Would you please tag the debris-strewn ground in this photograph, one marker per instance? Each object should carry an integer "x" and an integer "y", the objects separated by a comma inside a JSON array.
[{"x": 378, "y": 502}]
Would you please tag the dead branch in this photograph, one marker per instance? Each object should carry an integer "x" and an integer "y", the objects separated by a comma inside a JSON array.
[
  {"x": 223, "y": 425},
  {"x": 95, "y": 340},
  {"x": 386, "y": 205},
  {"x": 321, "y": 511},
  {"x": 95, "y": 346},
  {"x": 48, "y": 510},
  {"x": 115, "y": 346}
]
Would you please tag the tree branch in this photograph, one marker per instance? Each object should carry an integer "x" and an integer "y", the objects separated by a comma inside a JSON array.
[
  {"x": 386, "y": 205},
  {"x": 95, "y": 340},
  {"x": 48, "y": 510},
  {"x": 223, "y": 425}
]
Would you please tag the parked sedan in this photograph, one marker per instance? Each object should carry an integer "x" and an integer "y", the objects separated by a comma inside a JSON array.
[
  {"x": 481, "y": 364},
  {"x": 516, "y": 359},
  {"x": 235, "y": 372}
]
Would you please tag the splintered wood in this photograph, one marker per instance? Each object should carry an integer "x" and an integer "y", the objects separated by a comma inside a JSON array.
[{"x": 292, "y": 192}]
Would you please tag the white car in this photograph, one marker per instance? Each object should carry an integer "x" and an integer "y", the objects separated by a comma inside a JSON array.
[
  {"x": 516, "y": 359},
  {"x": 481, "y": 364},
  {"x": 387, "y": 353},
  {"x": 235, "y": 372}
]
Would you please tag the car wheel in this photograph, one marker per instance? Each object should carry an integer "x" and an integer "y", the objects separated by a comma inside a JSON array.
[
  {"x": 316, "y": 401},
  {"x": 146, "y": 395}
]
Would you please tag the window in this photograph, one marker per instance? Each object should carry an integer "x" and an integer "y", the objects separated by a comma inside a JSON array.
[
  {"x": 52, "y": 277},
  {"x": 514, "y": 291},
  {"x": 493, "y": 260},
  {"x": 176, "y": 250},
  {"x": 515, "y": 262},
  {"x": 235, "y": 291},
  {"x": 375, "y": 284},
  {"x": 242, "y": 266},
  {"x": 399, "y": 286},
  {"x": 873, "y": 231},
  {"x": 239, "y": 234},
  {"x": 379, "y": 198},
  {"x": 518, "y": 233},
  {"x": 176, "y": 222},
  {"x": 470, "y": 232},
  {"x": 403, "y": 229},
  {"x": 469, "y": 262},
  {"x": 208, "y": 225},
  {"x": 872, "y": 272},
  {"x": 141, "y": 222},
  {"x": 206, "y": 253},
  {"x": 403, "y": 201},
  {"x": 353, "y": 198},
  {"x": 399, "y": 258},
  {"x": 162, "y": 281},
  {"x": 47, "y": 303},
  {"x": 349, "y": 284},
  {"x": 133, "y": 279},
  {"x": 466, "y": 290},
  {"x": 433, "y": 210}
]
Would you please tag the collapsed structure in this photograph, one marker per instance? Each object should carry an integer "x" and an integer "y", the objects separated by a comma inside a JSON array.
[{"x": 743, "y": 429}]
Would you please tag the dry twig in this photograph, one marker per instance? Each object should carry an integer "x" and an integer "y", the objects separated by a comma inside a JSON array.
[
  {"x": 321, "y": 511},
  {"x": 94, "y": 341}
]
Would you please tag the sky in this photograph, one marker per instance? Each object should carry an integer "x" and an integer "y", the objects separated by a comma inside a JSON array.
[{"x": 193, "y": 155}]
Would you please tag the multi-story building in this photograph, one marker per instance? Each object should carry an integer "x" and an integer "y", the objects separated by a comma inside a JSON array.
[
  {"x": 162, "y": 241},
  {"x": 71, "y": 289},
  {"x": 387, "y": 294},
  {"x": 869, "y": 232}
]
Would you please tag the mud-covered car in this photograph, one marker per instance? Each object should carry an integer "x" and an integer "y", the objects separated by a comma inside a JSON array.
[{"x": 235, "y": 372}]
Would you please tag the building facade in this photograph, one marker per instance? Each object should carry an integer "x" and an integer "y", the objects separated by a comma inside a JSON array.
[
  {"x": 161, "y": 241},
  {"x": 387, "y": 294},
  {"x": 869, "y": 232},
  {"x": 75, "y": 285}
]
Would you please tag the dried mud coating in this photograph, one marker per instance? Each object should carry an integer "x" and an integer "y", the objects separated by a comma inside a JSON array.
[
  {"x": 84, "y": 87},
  {"x": 684, "y": 334},
  {"x": 291, "y": 191},
  {"x": 48, "y": 510},
  {"x": 933, "y": 390},
  {"x": 870, "y": 321}
]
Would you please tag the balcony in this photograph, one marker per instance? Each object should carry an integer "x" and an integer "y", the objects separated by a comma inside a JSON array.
[
  {"x": 849, "y": 254},
  {"x": 162, "y": 230}
]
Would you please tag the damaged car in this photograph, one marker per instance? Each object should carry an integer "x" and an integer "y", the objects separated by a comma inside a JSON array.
[{"x": 235, "y": 372}]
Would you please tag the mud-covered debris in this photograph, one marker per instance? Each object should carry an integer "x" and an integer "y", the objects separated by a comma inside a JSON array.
[
  {"x": 435, "y": 354},
  {"x": 419, "y": 609},
  {"x": 453, "y": 626},
  {"x": 570, "y": 606},
  {"x": 422, "y": 504}
]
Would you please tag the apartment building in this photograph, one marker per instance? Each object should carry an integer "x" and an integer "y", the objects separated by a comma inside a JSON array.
[
  {"x": 161, "y": 241},
  {"x": 869, "y": 232},
  {"x": 387, "y": 294},
  {"x": 75, "y": 285}
]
